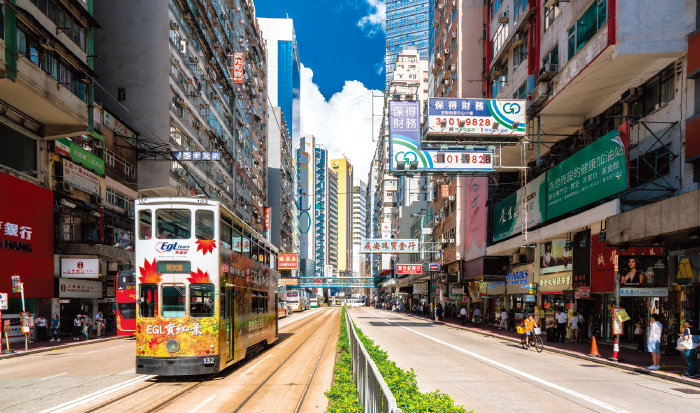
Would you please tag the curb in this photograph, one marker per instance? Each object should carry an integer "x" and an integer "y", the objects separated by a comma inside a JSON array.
[
  {"x": 598, "y": 360},
  {"x": 21, "y": 353}
]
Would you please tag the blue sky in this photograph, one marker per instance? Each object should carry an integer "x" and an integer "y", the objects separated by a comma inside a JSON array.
[{"x": 330, "y": 41}]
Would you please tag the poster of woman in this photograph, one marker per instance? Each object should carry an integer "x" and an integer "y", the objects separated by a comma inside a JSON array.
[{"x": 643, "y": 271}]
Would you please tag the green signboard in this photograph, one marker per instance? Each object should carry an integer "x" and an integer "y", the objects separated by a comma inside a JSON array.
[
  {"x": 595, "y": 172},
  {"x": 508, "y": 214},
  {"x": 80, "y": 155}
]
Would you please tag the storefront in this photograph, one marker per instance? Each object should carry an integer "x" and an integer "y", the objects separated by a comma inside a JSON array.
[
  {"x": 26, "y": 247},
  {"x": 493, "y": 294},
  {"x": 519, "y": 295}
]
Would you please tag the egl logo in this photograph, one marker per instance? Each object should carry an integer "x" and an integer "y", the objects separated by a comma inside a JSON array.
[{"x": 173, "y": 247}]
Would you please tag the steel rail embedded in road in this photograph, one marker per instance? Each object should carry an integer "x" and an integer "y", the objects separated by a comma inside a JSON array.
[{"x": 374, "y": 393}]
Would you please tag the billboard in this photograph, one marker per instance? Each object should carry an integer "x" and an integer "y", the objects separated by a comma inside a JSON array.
[
  {"x": 555, "y": 256},
  {"x": 595, "y": 172},
  {"x": 81, "y": 178},
  {"x": 287, "y": 261},
  {"x": 508, "y": 214},
  {"x": 476, "y": 117},
  {"x": 409, "y": 268},
  {"x": 476, "y": 216},
  {"x": 405, "y": 149},
  {"x": 80, "y": 267},
  {"x": 643, "y": 271},
  {"x": 393, "y": 246}
]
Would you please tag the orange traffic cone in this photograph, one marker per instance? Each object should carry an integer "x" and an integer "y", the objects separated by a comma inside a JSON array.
[
  {"x": 616, "y": 351},
  {"x": 594, "y": 349}
]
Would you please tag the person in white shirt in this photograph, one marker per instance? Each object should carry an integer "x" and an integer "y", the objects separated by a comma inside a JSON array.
[
  {"x": 504, "y": 320},
  {"x": 561, "y": 318},
  {"x": 573, "y": 325},
  {"x": 654, "y": 342}
]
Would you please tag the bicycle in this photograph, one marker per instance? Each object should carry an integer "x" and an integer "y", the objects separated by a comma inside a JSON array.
[{"x": 535, "y": 339}]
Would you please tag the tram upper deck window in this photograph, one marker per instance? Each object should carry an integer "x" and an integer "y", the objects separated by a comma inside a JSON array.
[
  {"x": 173, "y": 223},
  {"x": 246, "y": 244},
  {"x": 201, "y": 300},
  {"x": 148, "y": 300},
  {"x": 236, "y": 239},
  {"x": 145, "y": 224},
  {"x": 204, "y": 224},
  {"x": 225, "y": 232},
  {"x": 173, "y": 305}
]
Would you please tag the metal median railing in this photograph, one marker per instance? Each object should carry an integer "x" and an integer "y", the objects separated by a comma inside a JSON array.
[{"x": 373, "y": 391}]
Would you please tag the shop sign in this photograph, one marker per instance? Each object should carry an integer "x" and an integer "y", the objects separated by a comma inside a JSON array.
[
  {"x": 69, "y": 148},
  {"x": 686, "y": 269},
  {"x": 444, "y": 190},
  {"x": 80, "y": 178},
  {"x": 643, "y": 292},
  {"x": 77, "y": 288},
  {"x": 3, "y": 301},
  {"x": 582, "y": 258},
  {"x": 555, "y": 256},
  {"x": 519, "y": 279},
  {"x": 491, "y": 288},
  {"x": 409, "y": 268},
  {"x": 267, "y": 218},
  {"x": 509, "y": 214},
  {"x": 481, "y": 117},
  {"x": 597, "y": 171},
  {"x": 80, "y": 267},
  {"x": 643, "y": 271},
  {"x": 238, "y": 68},
  {"x": 530, "y": 298},
  {"x": 287, "y": 261},
  {"x": 555, "y": 282},
  {"x": 583, "y": 292},
  {"x": 434, "y": 266},
  {"x": 288, "y": 281},
  {"x": 111, "y": 122},
  {"x": 394, "y": 246}
]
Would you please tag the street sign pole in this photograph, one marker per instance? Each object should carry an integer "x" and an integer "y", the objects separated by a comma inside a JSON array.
[{"x": 26, "y": 335}]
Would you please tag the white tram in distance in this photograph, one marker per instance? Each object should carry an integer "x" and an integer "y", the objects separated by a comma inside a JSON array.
[
  {"x": 297, "y": 299},
  {"x": 206, "y": 287}
]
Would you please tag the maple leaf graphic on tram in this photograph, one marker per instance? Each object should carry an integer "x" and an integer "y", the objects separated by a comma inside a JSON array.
[
  {"x": 199, "y": 277},
  {"x": 206, "y": 245},
  {"x": 149, "y": 273}
]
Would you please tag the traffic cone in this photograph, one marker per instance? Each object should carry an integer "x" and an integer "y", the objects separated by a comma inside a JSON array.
[
  {"x": 616, "y": 351},
  {"x": 594, "y": 349}
]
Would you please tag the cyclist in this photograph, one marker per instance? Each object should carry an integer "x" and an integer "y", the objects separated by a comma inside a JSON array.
[{"x": 530, "y": 326}]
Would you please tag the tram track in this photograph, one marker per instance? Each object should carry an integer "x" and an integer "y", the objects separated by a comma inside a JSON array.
[{"x": 160, "y": 385}]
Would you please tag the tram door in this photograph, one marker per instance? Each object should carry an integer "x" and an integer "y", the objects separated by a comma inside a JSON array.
[{"x": 229, "y": 321}]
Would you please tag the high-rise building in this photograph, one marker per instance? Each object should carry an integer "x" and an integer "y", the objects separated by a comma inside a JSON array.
[
  {"x": 407, "y": 25},
  {"x": 320, "y": 206},
  {"x": 359, "y": 227},
  {"x": 305, "y": 199},
  {"x": 280, "y": 181},
  {"x": 283, "y": 65},
  {"x": 344, "y": 170},
  {"x": 332, "y": 219},
  {"x": 181, "y": 87}
]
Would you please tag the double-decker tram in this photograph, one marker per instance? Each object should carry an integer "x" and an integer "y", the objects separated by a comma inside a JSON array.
[
  {"x": 206, "y": 287},
  {"x": 297, "y": 299},
  {"x": 126, "y": 303}
]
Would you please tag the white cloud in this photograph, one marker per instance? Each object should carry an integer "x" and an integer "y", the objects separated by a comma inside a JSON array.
[
  {"x": 375, "y": 20},
  {"x": 342, "y": 124}
]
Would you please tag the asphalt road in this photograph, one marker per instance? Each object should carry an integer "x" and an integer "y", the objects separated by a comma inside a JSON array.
[
  {"x": 101, "y": 376},
  {"x": 491, "y": 375}
]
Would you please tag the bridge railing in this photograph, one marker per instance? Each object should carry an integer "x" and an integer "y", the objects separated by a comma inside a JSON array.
[{"x": 374, "y": 393}]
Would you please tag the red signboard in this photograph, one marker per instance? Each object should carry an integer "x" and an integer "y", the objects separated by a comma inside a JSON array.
[
  {"x": 238, "y": 68},
  {"x": 26, "y": 236},
  {"x": 444, "y": 191},
  {"x": 287, "y": 261},
  {"x": 409, "y": 268},
  {"x": 434, "y": 266},
  {"x": 603, "y": 263},
  {"x": 267, "y": 218}
]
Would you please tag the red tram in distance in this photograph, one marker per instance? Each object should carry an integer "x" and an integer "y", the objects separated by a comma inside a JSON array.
[{"x": 126, "y": 302}]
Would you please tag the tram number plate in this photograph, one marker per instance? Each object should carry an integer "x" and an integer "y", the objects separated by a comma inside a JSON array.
[{"x": 208, "y": 360}]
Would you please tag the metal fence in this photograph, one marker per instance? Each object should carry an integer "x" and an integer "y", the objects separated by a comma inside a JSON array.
[{"x": 374, "y": 393}]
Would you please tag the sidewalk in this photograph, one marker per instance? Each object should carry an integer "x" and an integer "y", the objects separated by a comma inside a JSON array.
[
  {"x": 43, "y": 346},
  {"x": 631, "y": 360}
]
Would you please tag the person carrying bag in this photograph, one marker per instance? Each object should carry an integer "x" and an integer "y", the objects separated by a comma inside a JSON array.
[{"x": 688, "y": 345}]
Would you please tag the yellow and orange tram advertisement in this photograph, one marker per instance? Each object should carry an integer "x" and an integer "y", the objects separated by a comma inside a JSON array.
[{"x": 206, "y": 287}]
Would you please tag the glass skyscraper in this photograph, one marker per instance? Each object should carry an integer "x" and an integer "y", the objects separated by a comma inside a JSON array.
[
  {"x": 283, "y": 70},
  {"x": 407, "y": 25}
]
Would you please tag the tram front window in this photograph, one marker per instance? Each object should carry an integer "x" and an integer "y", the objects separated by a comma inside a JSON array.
[
  {"x": 173, "y": 224},
  {"x": 173, "y": 301},
  {"x": 148, "y": 300},
  {"x": 201, "y": 300}
]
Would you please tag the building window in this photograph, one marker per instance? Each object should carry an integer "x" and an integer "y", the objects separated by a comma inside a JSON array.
[
  {"x": 521, "y": 93},
  {"x": 587, "y": 26},
  {"x": 650, "y": 166},
  {"x": 495, "y": 5},
  {"x": 550, "y": 14},
  {"x": 519, "y": 8},
  {"x": 499, "y": 37},
  {"x": 119, "y": 200},
  {"x": 520, "y": 53},
  {"x": 552, "y": 57},
  {"x": 656, "y": 92}
]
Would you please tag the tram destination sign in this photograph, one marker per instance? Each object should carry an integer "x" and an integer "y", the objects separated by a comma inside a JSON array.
[{"x": 389, "y": 246}]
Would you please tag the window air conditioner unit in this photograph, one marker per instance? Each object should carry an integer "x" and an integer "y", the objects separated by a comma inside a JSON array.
[
  {"x": 503, "y": 18},
  {"x": 548, "y": 71},
  {"x": 183, "y": 46},
  {"x": 631, "y": 95},
  {"x": 174, "y": 26},
  {"x": 540, "y": 93}
]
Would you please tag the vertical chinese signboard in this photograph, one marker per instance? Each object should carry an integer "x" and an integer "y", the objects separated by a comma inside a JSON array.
[
  {"x": 476, "y": 219},
  {"x": 238, "y": 68},
  {"x": 526, "y": 204}
]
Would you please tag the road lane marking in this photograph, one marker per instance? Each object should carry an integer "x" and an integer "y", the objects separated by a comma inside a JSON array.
[
  {"x": 254, "y": 365},
  {"x": 200, "y": 405},
  {"x": 130, "y": 371},
  {"x": 55, "y": 375},
  {"x": 95, "y": 395},
  {"x": 562, "y": 389}
]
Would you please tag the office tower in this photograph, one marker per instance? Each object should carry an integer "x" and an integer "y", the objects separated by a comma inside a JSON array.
[
  {"x": 343, "y": 169},
  {"x": 407, "y": 25}
]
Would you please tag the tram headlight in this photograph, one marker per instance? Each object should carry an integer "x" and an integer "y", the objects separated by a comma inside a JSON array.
[{"x": 172, "y": 345}]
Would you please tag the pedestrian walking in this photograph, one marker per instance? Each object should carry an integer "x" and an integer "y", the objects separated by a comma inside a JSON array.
[
  {"x": 691, "y": 354},
  {"x": 477, "y": 316},
  {"x": 86, "y": 326},
  {"x": 561, "y": 325},
  {"x": 437, "y": 313},
  {"x": 77, "y": 327},
  {"x": 573, "y": 324},
  {"x": 639, "y": 328},
  {"x": 504, "y": 320},
  {"x": 654, "y": 341},
  {"x": 100, "y": 322},
  {"x": 463, "y": 314},
  {"x": 41, "y": 328},
  {"x": 55, "y": 328}
]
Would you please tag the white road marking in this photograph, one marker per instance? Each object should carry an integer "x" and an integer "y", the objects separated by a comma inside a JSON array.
[
  {"x": 130, "y": 371},
  {"x": 284, "y": 344},
  {"x": 55, "y": 375},
  {"x": 200, "y": 405},
  {"x": 95, "y": 395},
  {"x": 562, "y": 389},
  {"x": 254, "y": 365}
]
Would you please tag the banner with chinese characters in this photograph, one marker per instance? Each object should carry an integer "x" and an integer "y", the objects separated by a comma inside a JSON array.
[
  {"x": 393, "y": 246},
  {"x": 76, "y": 288},
  {"x": 406, "y": 153},
  {"x": 238, "y": 68},
  {"x": 287, "y": 261},
  {"x": 409, "y": 268},
  {"x": 80, "y": 267},
  {"x": 603, "y": 262},
  {"x": 597, "y": 171},
  {"x": 529, "y": 201},
  {"x": 80, "y": 178},
  {"x": 479, "y": 117},
  {"x": 556, "y": 282},
  {"x": 67, "y": 147}
]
